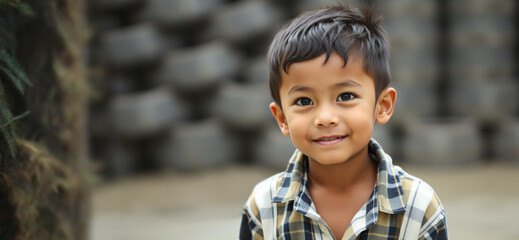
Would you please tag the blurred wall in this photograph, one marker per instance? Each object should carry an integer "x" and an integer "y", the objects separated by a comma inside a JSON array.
[{"x": 182, "y": 84}]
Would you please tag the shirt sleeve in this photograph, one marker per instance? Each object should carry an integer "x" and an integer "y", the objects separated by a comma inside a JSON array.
[
  {"x": 435, "y": 228},
  {"x": 438, "y": 231},
  {"x": 245, "y": 233},
  {"x": 249, "y": 229},
  {"x": 252, "y": 220},
  {"x": 425, "y": 217}
]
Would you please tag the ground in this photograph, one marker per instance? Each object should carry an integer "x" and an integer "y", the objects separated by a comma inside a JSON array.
[{"x": 481, "y": 202}]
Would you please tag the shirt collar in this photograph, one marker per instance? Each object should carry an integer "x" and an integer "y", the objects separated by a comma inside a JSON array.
[
  {"x": 390, "y": 196},
  {"x": 389, "y": 189},
  {"x": 293, "y": 179}
]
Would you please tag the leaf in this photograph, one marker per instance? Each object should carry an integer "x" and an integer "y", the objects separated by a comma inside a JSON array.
[
  {"x": 14, "y": 80},
  {"x": 5, "y": 117},
  {"x": 23, "y": 7},
  {"x": 8, "y": 141},
  {"x": 15, "y": 74},
  {"x": 7, "y": 130},
  {"x": 6, "y": 39},
  {"x": 9, "y": 119}
]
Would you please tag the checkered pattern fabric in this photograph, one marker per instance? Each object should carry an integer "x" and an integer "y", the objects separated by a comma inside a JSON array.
[{"x": 400, "y": 207}]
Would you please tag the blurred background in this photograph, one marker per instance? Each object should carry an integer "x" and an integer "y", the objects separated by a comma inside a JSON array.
[
  {"x": 183, "y": 88},
  {"x": 178, "y": 130},
  {"x": 183, "y": 92}
]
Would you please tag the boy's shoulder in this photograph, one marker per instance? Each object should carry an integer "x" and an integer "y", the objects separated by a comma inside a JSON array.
[
  {"x": 281, "y": 186},
  {"x": 266, "y": 190},
  {"x": 414, "y": 187},
  {"x": 423, "y": 206},
  {"x": 259, "y": 206}
]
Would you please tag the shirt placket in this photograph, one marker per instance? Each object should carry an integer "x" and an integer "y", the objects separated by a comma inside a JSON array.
[{"x": 307, "y": 209}]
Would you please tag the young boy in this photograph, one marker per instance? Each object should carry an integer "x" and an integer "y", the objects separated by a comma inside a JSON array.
[{"x": 329, "y": 77}]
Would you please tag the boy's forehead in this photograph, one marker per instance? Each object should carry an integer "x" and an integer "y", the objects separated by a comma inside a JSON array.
[
  {"x": 325, "y": 60},
  {"x": 334, "y": 60}
]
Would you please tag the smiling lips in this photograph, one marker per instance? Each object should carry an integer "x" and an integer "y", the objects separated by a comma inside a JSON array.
[{"x": 329, "y": 140}]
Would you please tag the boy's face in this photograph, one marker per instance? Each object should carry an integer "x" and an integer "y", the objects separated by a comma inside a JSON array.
[{"x": 328, "y": 110}]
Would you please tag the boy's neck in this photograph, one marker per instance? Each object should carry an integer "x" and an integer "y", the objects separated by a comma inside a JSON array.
[{"x": 359, "y": 170}]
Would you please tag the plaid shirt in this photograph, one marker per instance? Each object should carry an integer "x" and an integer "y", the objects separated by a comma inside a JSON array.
[{"x": 400, "y": 207}]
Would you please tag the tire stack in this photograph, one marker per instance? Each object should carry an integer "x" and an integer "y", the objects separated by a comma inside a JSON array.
[
  {"x": 182, "y": 84},
  {"x": 414, "y": 36},
  {"x": 452, "y": 66},
  {"x": 481, "y": 81}
]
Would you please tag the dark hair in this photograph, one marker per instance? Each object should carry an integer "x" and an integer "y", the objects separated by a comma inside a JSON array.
[{"x": 339, "y": 29}]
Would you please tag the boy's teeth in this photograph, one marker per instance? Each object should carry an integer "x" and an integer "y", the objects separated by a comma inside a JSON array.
[{"x": 328, "y": 139}]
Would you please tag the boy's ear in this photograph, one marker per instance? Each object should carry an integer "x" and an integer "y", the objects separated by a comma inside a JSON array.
[
  {"x": 385, "y": 105},
  {"x": 278, "y": 114}
]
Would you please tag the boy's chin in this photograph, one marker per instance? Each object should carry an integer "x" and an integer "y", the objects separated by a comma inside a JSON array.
[
  {"x": 332, "y": 158},
  {"x": 329, "y": 161}
]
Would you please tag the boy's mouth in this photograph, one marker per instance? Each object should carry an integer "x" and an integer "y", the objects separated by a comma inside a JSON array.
[{"x": 329, "y": 139}]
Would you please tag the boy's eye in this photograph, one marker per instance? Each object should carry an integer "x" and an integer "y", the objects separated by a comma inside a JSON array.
[
  {"x": 345, "y": 96},
  {"x": 303, "y": 101}
]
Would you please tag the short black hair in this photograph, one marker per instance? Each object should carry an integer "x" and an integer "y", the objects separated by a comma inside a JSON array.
[{"x": 339, "y": 29}]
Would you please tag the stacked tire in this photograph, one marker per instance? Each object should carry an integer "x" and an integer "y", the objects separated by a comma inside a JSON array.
[
  {"x": 482, "y": 82},
  {"x": 414, "y": 37},
  {"x": 181, "y": 84},
  {"x": 481, "y": 70},
  {"x": 443, "y": 142}
]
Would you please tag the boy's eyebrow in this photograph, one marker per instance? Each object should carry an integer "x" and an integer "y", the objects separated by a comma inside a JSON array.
[
  {"x": 298, "y": 89},
  {"x": 346, "y": 83}
]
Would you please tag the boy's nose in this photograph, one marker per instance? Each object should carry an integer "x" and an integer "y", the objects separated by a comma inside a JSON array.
[{"x": 326, "y": 117}]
